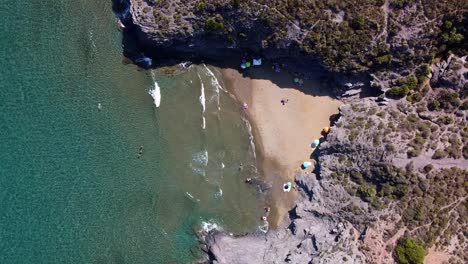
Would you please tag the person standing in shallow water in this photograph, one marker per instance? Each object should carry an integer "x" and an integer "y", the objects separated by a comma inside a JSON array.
[{"x": 140, "y": 151}]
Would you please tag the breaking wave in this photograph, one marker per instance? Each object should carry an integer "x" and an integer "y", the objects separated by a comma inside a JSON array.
[
  {"x": 202, "y": 100},
  {"x": 216, "y": 85},
  {"x": 251, "y": 137},
  {"x": 191, "y": 197},
  {"x": 209, "y": 226},
  {"x": 219, "y": 193},
  {"x": 155, "y": 92},
  {"x": 199, "y": 162}
]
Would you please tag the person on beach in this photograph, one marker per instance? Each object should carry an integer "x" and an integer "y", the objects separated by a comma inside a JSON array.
[
  {"x": 245, "y": 106},
  {"x": 248, "y": 180}
]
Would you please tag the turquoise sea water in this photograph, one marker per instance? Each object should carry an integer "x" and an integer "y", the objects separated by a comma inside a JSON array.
[{"x": 72, "y": 189}]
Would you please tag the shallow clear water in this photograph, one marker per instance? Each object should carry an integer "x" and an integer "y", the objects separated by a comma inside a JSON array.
[{"x": 72, "y": 187}]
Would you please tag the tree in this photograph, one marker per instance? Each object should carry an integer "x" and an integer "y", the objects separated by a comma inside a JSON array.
[
  {"x": 408, "y": 251},
  {"x": 358, "y": 23}
]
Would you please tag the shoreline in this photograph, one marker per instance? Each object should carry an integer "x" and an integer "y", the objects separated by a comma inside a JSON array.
[{"x": 282, "y": 133}]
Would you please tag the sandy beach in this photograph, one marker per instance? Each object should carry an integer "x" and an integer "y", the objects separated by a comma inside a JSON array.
[{"x": 283, "y": 133}]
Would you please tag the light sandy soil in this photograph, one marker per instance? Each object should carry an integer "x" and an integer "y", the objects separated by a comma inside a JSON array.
[
  {"x": 436, "y": 257},
  {"x": 283, "y": 133}
]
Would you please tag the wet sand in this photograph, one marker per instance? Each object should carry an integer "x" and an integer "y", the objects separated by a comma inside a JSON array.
[{"x": 283, "y": 133}]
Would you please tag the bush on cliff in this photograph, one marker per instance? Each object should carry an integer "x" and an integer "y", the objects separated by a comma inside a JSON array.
[
  {"x": 408, "y": 251},
  {"x": 214, "y": 23},
  {"x": 398, "y": 92}
]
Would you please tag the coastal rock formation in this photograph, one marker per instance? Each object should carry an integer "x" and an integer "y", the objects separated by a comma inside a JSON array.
[
  {"x": 364, "y": 196},
  {"x": 393, "y": 167},
  {"x": 315, "y": 234},
  {"x": 451, "y": 73}
]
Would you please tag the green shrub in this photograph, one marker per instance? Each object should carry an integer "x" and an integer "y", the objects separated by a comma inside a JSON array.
[
  {"x": 358, "y": 23},
  {"x": 367, "y": 192},
  {"x": 412, "y": 153},
  {"x": 439, "y": 154},
  {"x": 448, "y": 99},
  {"x": 398, "y": 92},
  {"x": 411, "y": 82},
  {"x": 433, "y": 105},
  {"x": 213, "y": 23},
  {"x": 201, "y": 6},
  {"x": 384, "y": 59},
  {"x": 408, "y": 251}
]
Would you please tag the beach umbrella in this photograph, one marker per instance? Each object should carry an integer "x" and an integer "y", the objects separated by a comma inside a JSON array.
[
  {"x": 306, "y": 164},
  {"x": 326, "y": 130},
  {"x": 316, "y": 143}
]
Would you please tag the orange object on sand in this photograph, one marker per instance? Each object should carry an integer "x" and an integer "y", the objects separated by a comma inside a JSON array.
[{"x": 326, "y": 130}]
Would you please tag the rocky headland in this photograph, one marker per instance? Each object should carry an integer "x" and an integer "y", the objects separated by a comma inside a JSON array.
[{"x": 390, "y": 183}]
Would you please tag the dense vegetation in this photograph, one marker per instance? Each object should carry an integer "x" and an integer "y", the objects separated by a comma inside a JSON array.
[
  {"x": 409, "y": 251},
  {"x": 349, "y": 35},
  {"x": 430, "y": 198}
]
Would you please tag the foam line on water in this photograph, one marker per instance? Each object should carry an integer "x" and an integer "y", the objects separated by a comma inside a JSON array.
[
  {"x": 191, "y": 197},
  {"x": 202, "y": 100},
  {"x": 216, "y": 85},
  {"x": 251, "y": 137}
]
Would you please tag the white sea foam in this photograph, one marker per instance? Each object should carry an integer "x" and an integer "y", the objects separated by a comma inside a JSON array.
[
  {"x": 209, "y": 226},
  {"x": 216, "y": 85},
  {"x": 155, "y": 92},
  {"x": 199, "y": 162},
  {"x": 200, "y": 158},
  {"x": 251, "y": 138},
  {"x": 202, "y": 100},
  {"x": 263, "y": 228},
  {"x": 191, "y": 197},
  {"x": 219, "y": 193},
  {"x": 91, "y": 39},
  {"x": 186, "y": 64}
]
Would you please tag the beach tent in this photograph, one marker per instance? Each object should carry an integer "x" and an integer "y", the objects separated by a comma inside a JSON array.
[
  {"x": 247, "y": 64},
  {"x": 243, "y": 66},
  {"x": 306, "y": 164},
  {"x": 316, "y": 143},
  {"x": 287, "y": 187},
  {"x": 257, "y": 62}
]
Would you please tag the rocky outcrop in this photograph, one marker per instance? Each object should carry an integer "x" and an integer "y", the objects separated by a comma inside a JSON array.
[
  {"x": 373, "y": 169},
  {"x": 451, "y": 73},
  {"x": 326, "y": 225},
  {"x": 315, "y": 234}
]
